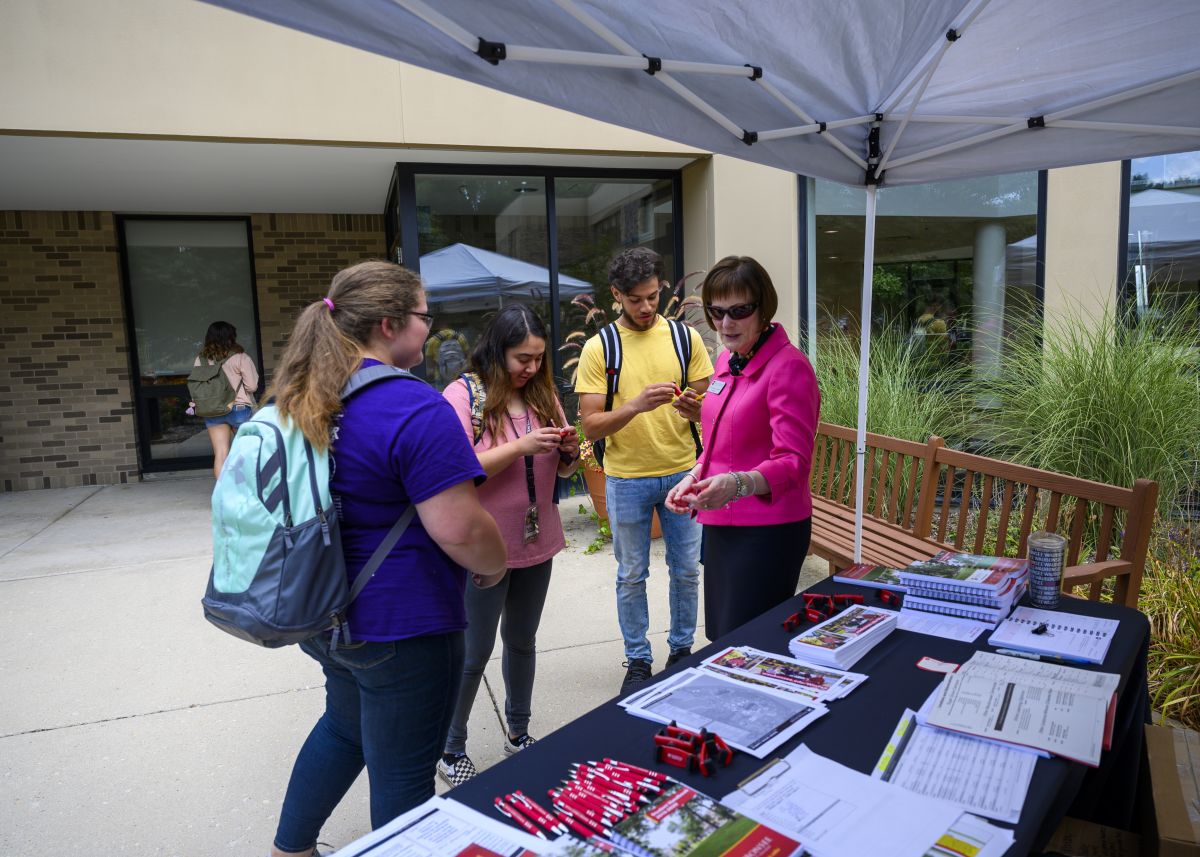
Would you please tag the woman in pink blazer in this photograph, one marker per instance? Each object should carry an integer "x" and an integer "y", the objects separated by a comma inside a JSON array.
[{"x": 750, "y": 487}]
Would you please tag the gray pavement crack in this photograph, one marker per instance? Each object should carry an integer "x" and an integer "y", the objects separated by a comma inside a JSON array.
[{"x": 55, "y": 520}]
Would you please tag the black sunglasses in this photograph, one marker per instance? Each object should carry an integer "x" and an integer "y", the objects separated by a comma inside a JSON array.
[{"x": 737, "y": 312}]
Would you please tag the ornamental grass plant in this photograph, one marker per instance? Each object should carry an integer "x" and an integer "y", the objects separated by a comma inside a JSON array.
[
  {"x": 1171, "y": 599},
  {"x": 911, "y": 395},
  {"x": 1101, "y": 400}
]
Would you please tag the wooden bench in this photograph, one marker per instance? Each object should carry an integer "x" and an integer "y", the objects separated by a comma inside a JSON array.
[{"x": 924, "y": 498}]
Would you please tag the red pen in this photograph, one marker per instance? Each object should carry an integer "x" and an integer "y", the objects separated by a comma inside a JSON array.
[
  {"x": 577, "y": 828},
  {"x": 609, "y": 790},
  {"x": 579, "y": 808},
  {"x": 567, "y": 812},
  {"x": 608, "y": 810},
  {"x": 653, "y": 776},
  {"x": 542, "y": 816},
  {"x": 513, "y": 814}
]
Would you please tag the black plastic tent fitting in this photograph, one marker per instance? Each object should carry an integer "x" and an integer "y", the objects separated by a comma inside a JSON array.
[
  {"x": 749, "y": 137},
  {"x": 653, "y": 65},
  {"x": 755, "y": 71},
  {"x": 1036, "y": 122},
  {"x": 952, "y": 35},
  {"x": 821, "y": 129},
  {"x": 493, "y": 52}
]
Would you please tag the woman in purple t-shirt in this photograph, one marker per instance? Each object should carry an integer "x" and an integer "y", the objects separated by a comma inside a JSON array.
[
  {"x": 389, "y": 695},
  {"x": 508, "y": 408}
]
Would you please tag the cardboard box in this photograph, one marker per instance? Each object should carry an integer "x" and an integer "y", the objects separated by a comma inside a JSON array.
[
  {"x": 1076, "y": 838},
  {"x": 1173, "y": 759}
]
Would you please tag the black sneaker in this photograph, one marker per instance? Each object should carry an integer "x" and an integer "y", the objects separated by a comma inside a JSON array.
[
  {"x": 511, "y": 747},
  {"x": 677, "y": 656},
  {"x": 637, "y": 673},
  {"x": 456, "y": 768}
]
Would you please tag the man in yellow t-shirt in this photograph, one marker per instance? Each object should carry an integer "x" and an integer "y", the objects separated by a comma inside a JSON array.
[{"x": 648, "y": 449}]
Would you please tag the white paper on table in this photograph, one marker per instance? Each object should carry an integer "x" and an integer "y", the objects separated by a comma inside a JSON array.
[
  {"x": 442, "y": 826},
  {"x": 1092, "y": 682},
  {"x": 747, "y": 717},
  {"x": 972, "y": 837},
  {"x": 756, "y": 666},
  {"x": 838, "y": 812},
  {"x": 651, "y": 690},
  {"x": 984, "y": 777},
  {"x": 946, "y": 627},
  {"x": 1061, "y": 719}
]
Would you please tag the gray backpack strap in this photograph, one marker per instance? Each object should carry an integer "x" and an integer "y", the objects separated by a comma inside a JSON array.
[
  {"x": 381, "y": 552},
  {"x": 369, "y": 375}
]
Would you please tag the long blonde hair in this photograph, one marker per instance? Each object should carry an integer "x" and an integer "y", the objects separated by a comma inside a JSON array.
[
  {"x": 507, "y": 329},
  {"x": 325, "y": 347}
]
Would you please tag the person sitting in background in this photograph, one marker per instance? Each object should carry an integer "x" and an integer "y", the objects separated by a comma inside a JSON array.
[{"x": 750, "y": 487}]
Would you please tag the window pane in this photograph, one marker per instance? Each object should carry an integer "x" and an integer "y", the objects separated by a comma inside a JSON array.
[
  {"x": 950, "y": 257},
  {"x": 1164, "y": 232},
  {"x": 483, "y": 243},
  {"x": 596, "y": 218},
  {"x": 184, "y": 275}
]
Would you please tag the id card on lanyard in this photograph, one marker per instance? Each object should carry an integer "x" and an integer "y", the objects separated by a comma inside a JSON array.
[{"x": 530, "y": 531}]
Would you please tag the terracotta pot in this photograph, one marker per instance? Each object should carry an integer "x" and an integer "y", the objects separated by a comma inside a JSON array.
[{"x": 595, "y": 484}]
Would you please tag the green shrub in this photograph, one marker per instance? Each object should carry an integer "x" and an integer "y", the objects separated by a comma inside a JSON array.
[
  {"x": 909, "y": 395},
  {"x": 1171, "y": 599},
  {"x": 1101, "y": 401}
]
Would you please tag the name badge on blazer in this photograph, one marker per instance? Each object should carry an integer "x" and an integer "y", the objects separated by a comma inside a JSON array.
[{"x": 716, "y": 387}]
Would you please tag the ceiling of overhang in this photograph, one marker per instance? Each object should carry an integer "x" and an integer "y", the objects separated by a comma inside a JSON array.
[{"x": 202, "y": 177}]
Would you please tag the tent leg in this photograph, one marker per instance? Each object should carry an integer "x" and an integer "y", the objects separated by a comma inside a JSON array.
[{"x": 864, "y": 360}]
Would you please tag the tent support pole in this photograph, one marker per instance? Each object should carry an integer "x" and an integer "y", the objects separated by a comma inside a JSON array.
[{"x": 864, "y": 359}]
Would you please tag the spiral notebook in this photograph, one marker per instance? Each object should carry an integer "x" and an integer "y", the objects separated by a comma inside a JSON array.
[{"x": 1050, "y": 632}]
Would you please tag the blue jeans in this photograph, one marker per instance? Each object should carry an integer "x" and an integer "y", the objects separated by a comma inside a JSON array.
[
  {"x": 237, "y": 415},
  {"x": 631, "y": 503},
  {"x": 388, "y": 707}
]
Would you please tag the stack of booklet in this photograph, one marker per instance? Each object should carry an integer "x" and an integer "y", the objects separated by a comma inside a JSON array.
[
  {"x": 982, "y": 588},
  {"x": 842, "y": 640}
]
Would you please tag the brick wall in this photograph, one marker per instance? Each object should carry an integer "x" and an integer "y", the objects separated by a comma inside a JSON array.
[
  {"x": 66, "y": 415},
  {"x": 65, "y": 412},
  {"x": 295, "y": 257}
]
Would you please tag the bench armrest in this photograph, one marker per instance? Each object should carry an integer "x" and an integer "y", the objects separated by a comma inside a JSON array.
[{"x": 1094, "y": 572}]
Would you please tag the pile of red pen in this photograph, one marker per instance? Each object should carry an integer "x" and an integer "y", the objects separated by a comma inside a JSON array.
[{"x": 597, "y": 796}]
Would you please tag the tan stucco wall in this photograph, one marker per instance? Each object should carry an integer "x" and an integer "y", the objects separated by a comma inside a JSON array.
[
  {"x": 1083, "y": 206},
  {"x": 183, "y": 68}
]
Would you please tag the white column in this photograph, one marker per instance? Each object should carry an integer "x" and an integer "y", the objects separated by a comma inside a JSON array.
[{"x": 987, "y": 311}]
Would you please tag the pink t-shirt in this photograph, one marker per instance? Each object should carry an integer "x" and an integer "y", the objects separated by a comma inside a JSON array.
[{"x": 506, "y": 496}]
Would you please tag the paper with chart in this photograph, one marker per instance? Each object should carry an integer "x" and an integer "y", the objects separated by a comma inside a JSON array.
[
  {"x": 984, "y": 777},
  {"x": 1068, "y": 717},
  {"x": 1053, "y": 632},
  {"x": 837, "y": 812}
]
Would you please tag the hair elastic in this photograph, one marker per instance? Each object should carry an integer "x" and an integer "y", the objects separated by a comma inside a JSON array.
[{"x": 328, "y": 303}]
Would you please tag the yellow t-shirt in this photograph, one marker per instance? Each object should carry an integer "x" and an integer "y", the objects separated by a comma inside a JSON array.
[{"x": 660, "y": 442}]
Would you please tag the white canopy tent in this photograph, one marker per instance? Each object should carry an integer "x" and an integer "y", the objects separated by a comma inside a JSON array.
[{"x": 863, "y": 92}]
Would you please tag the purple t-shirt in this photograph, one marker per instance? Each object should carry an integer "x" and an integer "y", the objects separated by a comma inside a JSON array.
[{"x": 399, "y": 443}]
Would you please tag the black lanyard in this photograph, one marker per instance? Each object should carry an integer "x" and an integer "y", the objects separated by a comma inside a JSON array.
[{"x": 528, "y": 458}]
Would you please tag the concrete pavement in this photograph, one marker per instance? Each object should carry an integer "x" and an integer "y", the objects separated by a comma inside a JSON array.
[{"x": 130, "y": 726}]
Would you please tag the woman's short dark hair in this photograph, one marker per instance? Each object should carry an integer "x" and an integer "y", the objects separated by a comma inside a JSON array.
[
  {"x": 633, "y": 266},
  {"x": 734, "y": 276}
]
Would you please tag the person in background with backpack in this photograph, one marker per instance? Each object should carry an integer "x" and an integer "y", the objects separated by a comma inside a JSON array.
[
  {"x": 238, "y": 381},
  {"x": 750, "y": 487},
  {"x": 648, "y": 448},
  {"x": 509, "y": 408},
  {"x": 390, "y": 694}
]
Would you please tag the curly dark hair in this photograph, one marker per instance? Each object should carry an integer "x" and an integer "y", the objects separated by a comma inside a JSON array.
[{"x": 633, "y": 266}]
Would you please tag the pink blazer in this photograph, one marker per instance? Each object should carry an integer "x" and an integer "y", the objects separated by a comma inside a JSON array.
[{"x": 764, "y": 420}]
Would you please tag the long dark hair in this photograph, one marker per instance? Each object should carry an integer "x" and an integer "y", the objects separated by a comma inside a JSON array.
[
  {"x": 220, "y": 341},
  {"x": 326, "y": 344},
  {"x": 507, "y": 329}
]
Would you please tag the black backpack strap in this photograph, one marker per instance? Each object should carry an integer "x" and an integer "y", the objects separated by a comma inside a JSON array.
[
  {"x": 610, "y": 339},
  {"x": 681, "y": 338}
]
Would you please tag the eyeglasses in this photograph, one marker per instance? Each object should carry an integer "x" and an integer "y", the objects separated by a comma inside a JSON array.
[
  {"x": 425, "y": 315},
  {"x": 737, "y": 312}
]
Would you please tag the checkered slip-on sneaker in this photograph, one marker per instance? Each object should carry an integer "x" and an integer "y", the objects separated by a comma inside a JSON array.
[
  {"x": 458, "y": 771},
  {"x": 511, "y": 747}
]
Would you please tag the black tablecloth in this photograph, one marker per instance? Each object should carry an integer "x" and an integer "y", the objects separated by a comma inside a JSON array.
[{"x": 858, "y": 726}]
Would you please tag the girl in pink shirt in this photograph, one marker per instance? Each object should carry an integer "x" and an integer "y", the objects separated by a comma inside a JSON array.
[
  {"x": 523, "y": 442},
  {"x": 220, "y": 343}
]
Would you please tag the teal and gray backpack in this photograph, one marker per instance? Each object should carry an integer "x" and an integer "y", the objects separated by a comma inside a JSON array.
[{"x": 278, "y": 575}]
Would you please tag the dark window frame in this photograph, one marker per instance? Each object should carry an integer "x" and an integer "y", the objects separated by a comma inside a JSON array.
[{"x": 137, "y": 394}]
